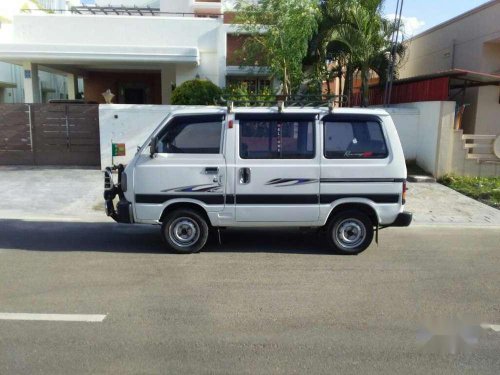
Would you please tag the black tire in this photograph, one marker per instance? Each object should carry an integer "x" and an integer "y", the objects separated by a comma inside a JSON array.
[
  {"x": 355, "y": 222},
  {"x": 185, "y": 231}
]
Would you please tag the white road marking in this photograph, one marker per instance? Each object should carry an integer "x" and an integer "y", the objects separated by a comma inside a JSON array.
[
  {"x": 494, "y": 327},
  {"x": 54, "y": 317}
]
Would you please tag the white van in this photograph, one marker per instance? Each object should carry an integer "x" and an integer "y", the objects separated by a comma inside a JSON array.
[{"x": 216, "y": 167}]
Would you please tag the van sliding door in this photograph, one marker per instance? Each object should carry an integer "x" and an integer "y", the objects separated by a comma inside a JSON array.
[{"x": 277, "y": 168}]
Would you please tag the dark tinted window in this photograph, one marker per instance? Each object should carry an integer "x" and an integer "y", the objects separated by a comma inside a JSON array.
[
  {"x": 276, "y": 139},
  {"x": 354, "y": 140},
  {"x": 192, "y": 138}
]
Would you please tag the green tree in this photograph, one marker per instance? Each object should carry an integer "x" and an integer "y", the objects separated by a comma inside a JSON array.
[
  {"x": 279, "y": 32},
  {"x": 353, "y": 37},
  {"x": 367, "y": 35},
  {"x": 323, "y": 54}
]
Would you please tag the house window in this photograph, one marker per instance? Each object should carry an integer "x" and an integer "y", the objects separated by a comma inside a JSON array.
[{"x": 255, "y": 85}]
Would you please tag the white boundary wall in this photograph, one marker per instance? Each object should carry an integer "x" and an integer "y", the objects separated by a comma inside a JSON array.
[
  {"x": 426, "y": 130},
  {"x": 422, "y": 126},
  {"x": 131, "y": 124},
  {"x": 406, "y": 120}
]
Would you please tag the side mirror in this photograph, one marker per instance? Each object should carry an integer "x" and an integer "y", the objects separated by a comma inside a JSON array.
[{"x": 153, "y": 146}]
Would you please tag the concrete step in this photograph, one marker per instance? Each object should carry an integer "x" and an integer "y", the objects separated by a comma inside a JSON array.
[
  {"x": 482, "y": 137},
  {"x": 478, "y": 145},
  {"x": 482, "y": 157}
]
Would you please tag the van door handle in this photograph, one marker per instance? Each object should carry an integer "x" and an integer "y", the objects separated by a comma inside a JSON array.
[
  {"x": 245, "y": 175},
  {"x": 211, "y": 170}
]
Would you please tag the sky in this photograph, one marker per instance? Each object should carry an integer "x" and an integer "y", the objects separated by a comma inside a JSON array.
[{"x": 420, "y": 15}]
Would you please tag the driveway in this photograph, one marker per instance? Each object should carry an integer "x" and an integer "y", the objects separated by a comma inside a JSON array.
[
  {"x": 77, "y": 193},
  {"x": 51, "y": 192}
]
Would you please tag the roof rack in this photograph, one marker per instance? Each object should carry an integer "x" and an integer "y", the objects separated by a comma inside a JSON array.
[{"x": 282, "y": 101}]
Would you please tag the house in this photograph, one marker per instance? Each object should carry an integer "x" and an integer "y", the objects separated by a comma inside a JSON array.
[
  {"x": 51, "y": 86},
  {"x": 466, "y": 49},
  {"x": 140, "y": 51}
]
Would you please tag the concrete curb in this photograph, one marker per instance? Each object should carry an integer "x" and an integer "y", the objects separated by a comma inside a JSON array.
[{"x": 421, "y": 178}]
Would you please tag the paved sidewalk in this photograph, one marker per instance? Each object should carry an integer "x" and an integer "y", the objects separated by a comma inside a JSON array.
[{"x": 436, "y": 204}]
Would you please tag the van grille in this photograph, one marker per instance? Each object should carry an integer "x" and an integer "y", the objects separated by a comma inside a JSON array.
[{"x": 108, "y": 180}]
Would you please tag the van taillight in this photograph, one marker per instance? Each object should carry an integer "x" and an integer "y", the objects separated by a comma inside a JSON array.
[{"x": 404, "y": 193}]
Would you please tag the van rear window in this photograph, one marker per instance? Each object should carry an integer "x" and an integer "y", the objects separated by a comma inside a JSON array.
[{"x": 354, "y": 140}]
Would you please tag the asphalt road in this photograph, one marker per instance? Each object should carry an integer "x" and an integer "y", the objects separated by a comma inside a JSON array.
[{"x": 263, "y": 302}]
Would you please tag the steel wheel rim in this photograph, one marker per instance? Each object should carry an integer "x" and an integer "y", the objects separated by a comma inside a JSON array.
[
  {"x": 350, "y": 233},
  {"x": 184, "y": 232}
]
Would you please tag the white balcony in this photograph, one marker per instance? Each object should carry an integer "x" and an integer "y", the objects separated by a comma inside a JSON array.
[
  {"x": 207, "y": 6},
  {"x": 72, "y": 39}
]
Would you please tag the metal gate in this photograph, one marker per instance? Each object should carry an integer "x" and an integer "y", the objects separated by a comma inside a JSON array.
[
  {"x": 15, "y": 135},
  {"x": 49, "y": 134},
  {"x": 66, "y": 134}
]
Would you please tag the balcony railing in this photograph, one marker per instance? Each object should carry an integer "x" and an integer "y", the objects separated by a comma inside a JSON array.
[{"x": 121, "y": 11}]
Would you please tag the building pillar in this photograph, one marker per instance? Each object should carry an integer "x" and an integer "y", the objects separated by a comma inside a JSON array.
[
  {"x": 167, "y": 80},
  {"x": 221, "y": 55},
  {"x": 31, "y": 83},
  {"x": 72, "y": 85}
]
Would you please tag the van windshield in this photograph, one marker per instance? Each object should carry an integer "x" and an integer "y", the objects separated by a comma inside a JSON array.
[{"x": 192, "y": 138}]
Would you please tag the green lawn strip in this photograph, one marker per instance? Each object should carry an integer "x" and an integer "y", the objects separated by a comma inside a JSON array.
[{"x": 484, "y": 189}]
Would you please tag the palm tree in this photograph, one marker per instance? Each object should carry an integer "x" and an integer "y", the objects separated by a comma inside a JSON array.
[
  {"x": 362, "y": 37},
  {"x": 354, "y": 35},
  {"x": 321, "y": 50}
]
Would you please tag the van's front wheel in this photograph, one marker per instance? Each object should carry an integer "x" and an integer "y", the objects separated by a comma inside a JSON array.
[
  {"x": 185, "y": 231},
  {"x": 350, "y": 232}
]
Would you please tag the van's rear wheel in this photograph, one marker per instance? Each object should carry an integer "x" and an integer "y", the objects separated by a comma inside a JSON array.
[
  {"x": 185, "y": 231},
  {"x": 350, "y": 232}
]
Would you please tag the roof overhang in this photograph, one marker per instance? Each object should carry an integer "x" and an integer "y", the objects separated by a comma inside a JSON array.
[
  {"x": 459, "y": 78},
  {"x": 91, "y": 54},
  {"x": 467, "y": 78},
  {"x": 243, "y": 71},
  {"x": 7, "y": 85}
]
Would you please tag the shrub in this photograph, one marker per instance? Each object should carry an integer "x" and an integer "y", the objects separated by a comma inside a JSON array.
[{"x": 196, "y": 92}]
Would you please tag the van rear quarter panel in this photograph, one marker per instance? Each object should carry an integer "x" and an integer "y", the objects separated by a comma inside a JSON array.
[{"x": 375, "y": 182}]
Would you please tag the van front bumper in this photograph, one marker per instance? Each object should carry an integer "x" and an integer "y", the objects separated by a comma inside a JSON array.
[
  {"x": 402, "y": 220},
  {"x": 123, "y": 211}
]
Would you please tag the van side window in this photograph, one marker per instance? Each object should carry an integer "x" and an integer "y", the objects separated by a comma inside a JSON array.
[
  {"x": 354, "y": 140},
  {"x": 277, "y": 139},
  {"x": 192, "y": 138}
]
